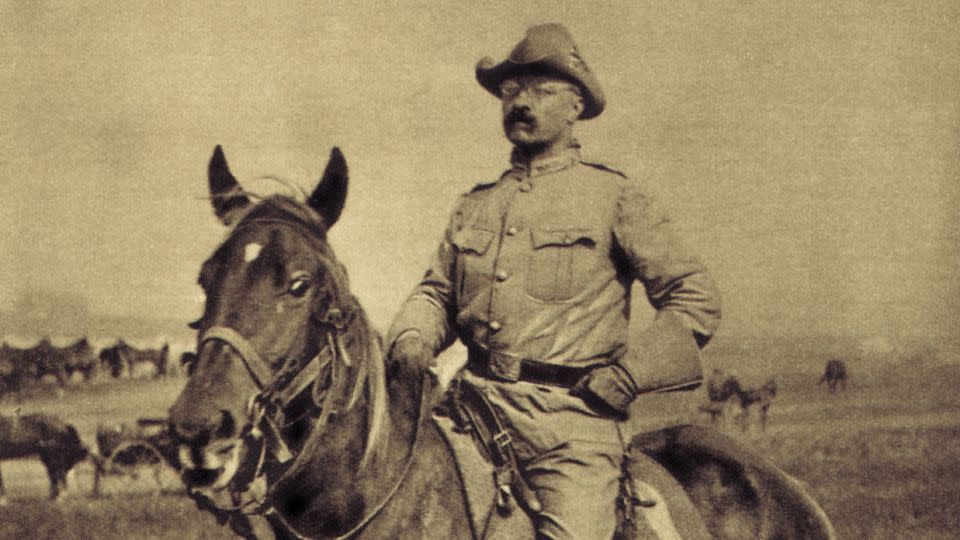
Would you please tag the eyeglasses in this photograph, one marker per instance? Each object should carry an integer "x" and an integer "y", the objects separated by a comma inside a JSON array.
[{"x": 512, "y": 89}]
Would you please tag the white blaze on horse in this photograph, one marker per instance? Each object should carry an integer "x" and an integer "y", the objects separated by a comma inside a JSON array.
[{"x": 291, "y": 424}]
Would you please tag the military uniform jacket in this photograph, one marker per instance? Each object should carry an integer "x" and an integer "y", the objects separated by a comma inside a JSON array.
[{"x": 538, "y": 266}]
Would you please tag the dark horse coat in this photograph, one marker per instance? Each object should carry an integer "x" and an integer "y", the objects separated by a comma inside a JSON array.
[
  {"x": 55, "y": 442},
  {"x": 366, "y": 462}
]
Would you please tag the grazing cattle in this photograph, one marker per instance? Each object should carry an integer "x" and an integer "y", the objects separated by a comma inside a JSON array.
[
  {"x": 123, "y": 356},
  {"x": 292, "y": 420},
  {"x": 834, "y": 374},
  {"x": 759, "y": 399},
  {"x": 55, "y": 442}
]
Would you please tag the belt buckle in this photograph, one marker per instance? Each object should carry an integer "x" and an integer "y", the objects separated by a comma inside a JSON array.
[
  {"x": 503, "y": 366},
  {"x": 503, "y": 439}
]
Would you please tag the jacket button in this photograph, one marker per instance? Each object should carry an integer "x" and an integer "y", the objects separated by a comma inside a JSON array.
[
  {"x": 501, "y": 275},
  {"x": 525, "y": 187},
  {"x": 495, "y": 325},
  {"x": 511, "y": 231}
]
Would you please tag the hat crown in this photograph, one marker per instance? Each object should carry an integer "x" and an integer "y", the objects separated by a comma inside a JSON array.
[
  {"x": 546, "y": 48},
  {"x": 543, "y": 41}
]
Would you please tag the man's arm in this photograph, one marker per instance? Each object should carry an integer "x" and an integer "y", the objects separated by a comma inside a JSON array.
[
  {"x": 666, "y": 355},
  {"x": 429, "y": 311}
]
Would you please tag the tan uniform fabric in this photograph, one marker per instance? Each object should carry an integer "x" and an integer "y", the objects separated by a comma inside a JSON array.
[{"x": 538, "y": 266}]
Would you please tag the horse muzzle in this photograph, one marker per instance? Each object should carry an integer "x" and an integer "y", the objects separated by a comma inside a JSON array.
[{"x": 211, "y": 466}]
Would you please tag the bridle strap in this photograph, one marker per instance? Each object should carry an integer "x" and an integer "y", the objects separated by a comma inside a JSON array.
[{"x": 258, "y": 367}]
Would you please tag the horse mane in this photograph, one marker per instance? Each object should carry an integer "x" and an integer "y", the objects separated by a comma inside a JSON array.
[{"x": 372, "y": 372}]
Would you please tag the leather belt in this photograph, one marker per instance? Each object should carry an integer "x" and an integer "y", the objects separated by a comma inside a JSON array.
[{"x": 528, "y": 370}]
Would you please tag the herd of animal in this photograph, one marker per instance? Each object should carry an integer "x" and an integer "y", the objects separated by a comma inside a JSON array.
[
  {"x": 126, "y": 448},
  {"x": 20, "y": 367},
  {"x": 728, "y": 398},
  {"x": 121, "y": 449}
]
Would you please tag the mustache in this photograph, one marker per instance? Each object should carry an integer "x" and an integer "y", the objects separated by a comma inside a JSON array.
[{"x": 519, "y": 115}]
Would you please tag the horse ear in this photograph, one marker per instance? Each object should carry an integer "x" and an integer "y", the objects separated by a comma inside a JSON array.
[
  {"x": 226, "y": 195},
  {"x": 330, "y": 194}
]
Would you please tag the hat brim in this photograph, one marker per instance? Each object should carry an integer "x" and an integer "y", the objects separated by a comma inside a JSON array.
[{"x": 491, "y": 76}]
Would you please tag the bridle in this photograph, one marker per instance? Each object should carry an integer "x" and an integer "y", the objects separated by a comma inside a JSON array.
[
  {"x": 276, "y": 391},
  {"x": 272, "y": 393},
  {"x": 327, "y": 373}
]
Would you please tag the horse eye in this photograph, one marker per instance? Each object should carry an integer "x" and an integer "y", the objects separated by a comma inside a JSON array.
[{"x": 299, "y": 287}]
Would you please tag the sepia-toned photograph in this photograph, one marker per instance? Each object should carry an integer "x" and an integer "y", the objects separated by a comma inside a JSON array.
[{"x": 507, "y": 270}]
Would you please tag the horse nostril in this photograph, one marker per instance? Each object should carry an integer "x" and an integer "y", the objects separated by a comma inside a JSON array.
[
  {"x": 226, "y": 426},
  {"x": 192, "y": 433}
]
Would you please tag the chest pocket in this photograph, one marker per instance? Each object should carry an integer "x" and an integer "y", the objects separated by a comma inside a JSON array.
[
  {"x": 560, "y": 262},
  {"x": 472, "y": 271}
]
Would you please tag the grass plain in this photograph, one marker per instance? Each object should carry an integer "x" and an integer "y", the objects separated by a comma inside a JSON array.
[{"x": 882, "y": 458}]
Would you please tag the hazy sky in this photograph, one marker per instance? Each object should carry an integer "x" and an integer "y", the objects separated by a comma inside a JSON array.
[{"x": 810, "y": 151}]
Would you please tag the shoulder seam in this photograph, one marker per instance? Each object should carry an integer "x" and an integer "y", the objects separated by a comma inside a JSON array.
[
  {"x": 486, "y": 184},
  {"x": 602, "y": 167}
]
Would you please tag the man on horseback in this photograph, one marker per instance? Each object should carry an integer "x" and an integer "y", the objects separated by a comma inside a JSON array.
[{"x": 534, "y": 274}]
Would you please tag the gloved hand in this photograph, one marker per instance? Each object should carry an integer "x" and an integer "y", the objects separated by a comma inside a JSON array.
[
  {"x": 411, "y": 355},
  {"x": 608, "y": 390}
]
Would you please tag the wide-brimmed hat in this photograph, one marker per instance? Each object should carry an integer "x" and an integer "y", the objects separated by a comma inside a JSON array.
[{"x": 546, "y": 49}]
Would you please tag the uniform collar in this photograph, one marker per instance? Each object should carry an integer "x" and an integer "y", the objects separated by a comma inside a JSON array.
[{"x": 552, "y": 164}]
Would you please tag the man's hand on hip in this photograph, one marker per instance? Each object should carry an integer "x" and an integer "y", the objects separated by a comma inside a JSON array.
[{"x": 608, "y": 390}]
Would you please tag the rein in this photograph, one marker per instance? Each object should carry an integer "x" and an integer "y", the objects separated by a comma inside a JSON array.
[{"x": 278, "y": 391}]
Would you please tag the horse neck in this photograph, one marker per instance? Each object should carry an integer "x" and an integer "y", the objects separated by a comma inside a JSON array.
[{"x": 332, "y": 479}]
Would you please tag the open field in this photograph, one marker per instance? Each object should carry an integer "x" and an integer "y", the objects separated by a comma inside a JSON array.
[{"x": 883, "y": 459}]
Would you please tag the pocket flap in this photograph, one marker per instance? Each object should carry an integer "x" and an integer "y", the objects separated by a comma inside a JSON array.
[
  {"x": 475, "y": 240},
  {"x": 562, "y": 237}
]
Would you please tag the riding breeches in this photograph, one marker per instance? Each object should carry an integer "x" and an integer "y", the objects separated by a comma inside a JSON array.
[{"x": 570, "y": 456}]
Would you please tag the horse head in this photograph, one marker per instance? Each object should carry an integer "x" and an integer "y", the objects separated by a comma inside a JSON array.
[{"x": 273, "y": 289}]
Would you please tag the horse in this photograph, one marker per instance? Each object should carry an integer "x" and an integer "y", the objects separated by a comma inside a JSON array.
[
  {"x": 55, "y": 442},
  {"x": 77, "y": 357},
  {"x": 293, "y": 423},
  {"x": 723, "y": 393},
  {"x": 158, "y": 358},
  {"x": 46, "y": 359},
  {"x": 760, "y": 398},
  {"x": 834, "y": 374},
  {"x": 17, "y": 368},
  {"x": 122, "y": 356}
]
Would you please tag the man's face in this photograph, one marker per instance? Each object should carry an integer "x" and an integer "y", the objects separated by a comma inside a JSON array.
[{"x": 538, "y": 110}]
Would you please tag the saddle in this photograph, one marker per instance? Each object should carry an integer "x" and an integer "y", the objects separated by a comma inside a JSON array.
[
  {"x": 683, "y": 481},
  {"x": 483, "y": 450}
]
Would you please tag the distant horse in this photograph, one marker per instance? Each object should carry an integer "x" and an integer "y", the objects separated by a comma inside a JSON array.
[
  {"x": 47, "y": 360},
  {"x": 757, "y": 398},
  {"x": 55, "y": 442},
  {"x": 77, "y": 357},
  {"x": 17, "y": 368},
  {"x": 834, "y": 374},
  {"x": 122, "y": 356},
  {"x": 723, "y": 393},
  {"x": 292, "y": 421}
]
